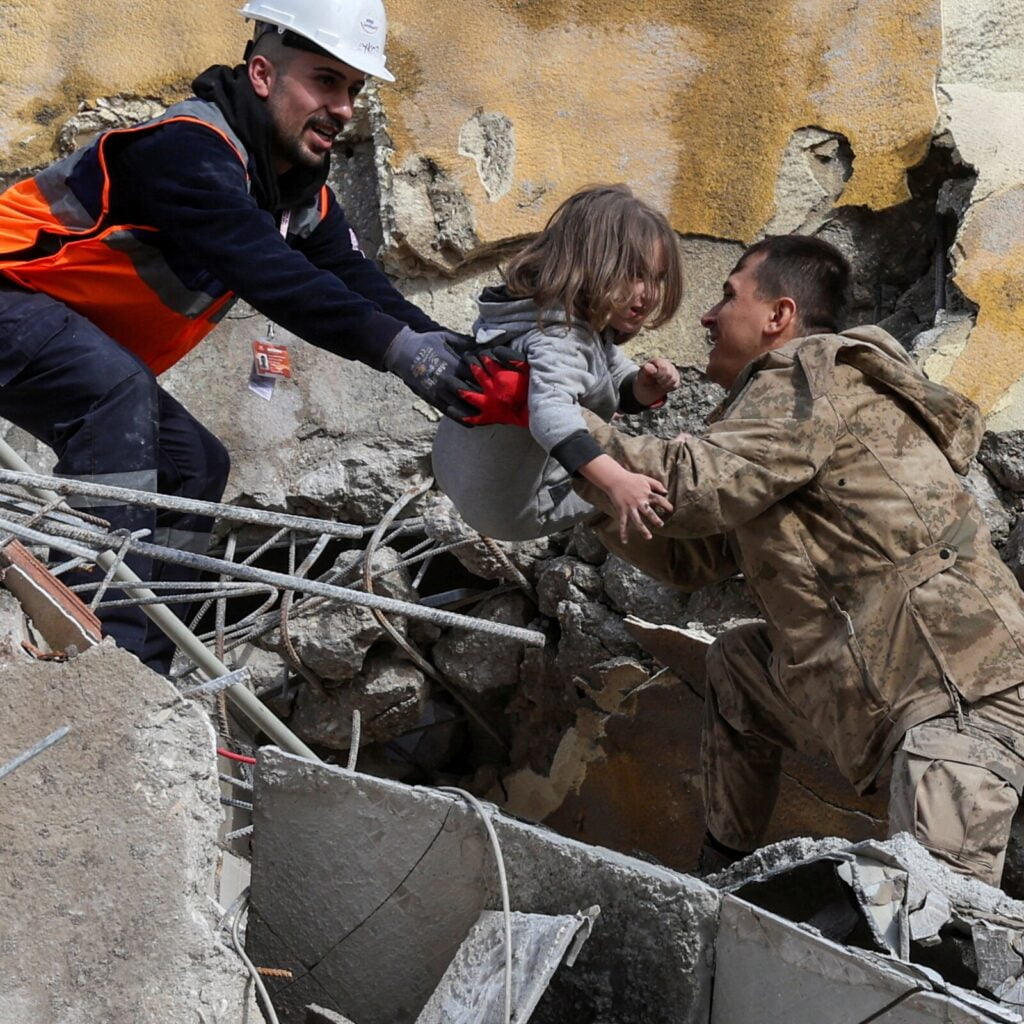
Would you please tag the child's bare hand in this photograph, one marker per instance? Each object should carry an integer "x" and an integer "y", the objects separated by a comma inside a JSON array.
[
  {"x": 638, "y": 500},
  {"x": 657, "y": 377}
]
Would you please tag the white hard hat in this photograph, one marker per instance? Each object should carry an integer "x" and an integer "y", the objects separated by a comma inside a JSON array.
[{"x": 353, "y": 31}]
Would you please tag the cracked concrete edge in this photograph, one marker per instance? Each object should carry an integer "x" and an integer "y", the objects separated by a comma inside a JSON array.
[
  {"x": 129, "y": 804},
  {"x": 660, "y": 921}
]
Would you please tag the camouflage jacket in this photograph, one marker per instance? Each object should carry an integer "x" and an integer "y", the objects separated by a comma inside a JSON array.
[{"x": 829, "y": 478}]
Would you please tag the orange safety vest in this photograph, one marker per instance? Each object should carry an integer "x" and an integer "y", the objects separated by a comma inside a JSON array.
[{"x": 112, "y": 274}]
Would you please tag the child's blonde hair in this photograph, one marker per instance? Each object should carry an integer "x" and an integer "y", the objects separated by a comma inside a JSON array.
[{"x": 596, "y": 244}]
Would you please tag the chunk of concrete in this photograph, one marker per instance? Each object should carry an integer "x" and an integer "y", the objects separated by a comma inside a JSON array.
[
  {"x": 630, "y": 591},
  {"x": 771, "y": 971},
  {"x": 473, "y": 988},
  {"x": 333, "y": 640},
  {"x": 481, "y": 664},
  {"x": 487, "y": 558},
  {"x": 389, "y": 694},
  {"x": 684, "y": 651},
  {"x": 365, "y": 888},
  {"x": 108, "y": 847}
]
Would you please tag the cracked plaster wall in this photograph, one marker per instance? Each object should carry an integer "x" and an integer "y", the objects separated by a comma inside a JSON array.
[
  {"x": 981, "y": 98},
  {"x": 55, "y": 54},
  {"x": 694, "y": 103}
]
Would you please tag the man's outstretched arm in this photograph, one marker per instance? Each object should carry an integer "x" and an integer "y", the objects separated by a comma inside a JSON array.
[{"x": 773, "y": 440}]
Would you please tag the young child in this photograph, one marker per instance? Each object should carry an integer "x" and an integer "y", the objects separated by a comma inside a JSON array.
[{"x": 606, "y": 265}]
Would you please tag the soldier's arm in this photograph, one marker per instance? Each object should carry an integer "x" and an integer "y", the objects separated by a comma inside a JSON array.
[
  {"x": 684, "y": 564},
  {"x": 773, "y": 439}
]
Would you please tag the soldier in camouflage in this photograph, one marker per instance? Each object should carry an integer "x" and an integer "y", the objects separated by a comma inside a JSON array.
[{"x": 893, "y": 634}]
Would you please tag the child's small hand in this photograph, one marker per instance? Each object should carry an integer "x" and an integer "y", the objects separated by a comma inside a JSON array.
[
  {"x": 638, "y": 500},
  {"x": 657, "y": 377}
]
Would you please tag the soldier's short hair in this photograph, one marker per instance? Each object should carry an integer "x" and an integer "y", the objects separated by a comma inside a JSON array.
[{"x": 810, "y": 271}]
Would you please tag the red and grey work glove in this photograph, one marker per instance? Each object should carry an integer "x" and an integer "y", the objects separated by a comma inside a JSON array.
[{"x": 473, "y": 389}]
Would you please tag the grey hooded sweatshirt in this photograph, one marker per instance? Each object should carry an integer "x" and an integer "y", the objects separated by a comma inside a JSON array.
[{"x": 513, "y": 483}]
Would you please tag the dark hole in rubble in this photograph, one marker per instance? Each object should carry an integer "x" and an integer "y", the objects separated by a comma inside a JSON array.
[
  {"x": 901, "y": 255},
  {"x": 952, "y": 956},
  {"x": 815, "y": 895}
]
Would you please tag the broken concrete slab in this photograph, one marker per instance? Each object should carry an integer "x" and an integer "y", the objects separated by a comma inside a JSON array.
[
  {"x": 770, "y": 971},
  {"x": 472, "y": 990},
  {"x": 365, "y": 888},
  {"x": 894, "y": 899},
  {"x": 108, "y": 847},
  {"x": 682, "y": 650}
]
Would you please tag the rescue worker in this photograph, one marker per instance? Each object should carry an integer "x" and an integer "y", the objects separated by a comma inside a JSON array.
[
  {"x": 893, "y": 634},
  {"x": 119, "y": 259}
]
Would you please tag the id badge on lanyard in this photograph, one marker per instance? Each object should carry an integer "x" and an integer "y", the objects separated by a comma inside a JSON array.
[{"x": 271, "y": 361}]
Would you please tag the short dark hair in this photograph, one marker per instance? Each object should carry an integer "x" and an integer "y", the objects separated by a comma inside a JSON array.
[
  {"x": 815, "y": 274},
  {"x": 278, "y": 45}
]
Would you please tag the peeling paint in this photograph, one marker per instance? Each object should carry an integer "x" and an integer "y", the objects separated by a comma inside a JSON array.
[
  {"x": 990, "y": 272},
  {"x": 57, "y": 54},
  {"x": 693, "y": 102},
  {"x": 489, "y": 140}
]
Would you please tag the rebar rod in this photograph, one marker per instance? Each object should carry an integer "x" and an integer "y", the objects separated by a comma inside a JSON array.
[
  {"x": 55, "y": 737},
  {"x": 180, "y": 634},
  {"x": 240, "y": 675},
  {"x": 71, "y": 540},
  {"x": 151, "y": 499},
  {"x": 310, "y": 604}
]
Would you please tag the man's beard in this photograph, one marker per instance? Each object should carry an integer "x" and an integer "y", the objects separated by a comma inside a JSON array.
[{"x": 293, "y": 150}]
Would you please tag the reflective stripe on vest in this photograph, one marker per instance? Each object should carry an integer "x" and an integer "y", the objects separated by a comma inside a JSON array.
[{"x": 112, "y": 274}]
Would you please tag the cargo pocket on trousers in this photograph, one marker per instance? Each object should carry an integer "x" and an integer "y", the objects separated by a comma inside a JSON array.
[{"x": 960, "y": 812}]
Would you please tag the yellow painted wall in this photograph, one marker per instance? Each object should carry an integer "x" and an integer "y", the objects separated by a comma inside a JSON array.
[
  {"x": 692, "y": 101},
  {"x": 990, "y": 272},
  {"x": 56, "y": 53}
]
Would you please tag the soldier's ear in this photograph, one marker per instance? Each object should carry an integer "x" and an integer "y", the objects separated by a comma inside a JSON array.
[{"x": 783, "y": 317}]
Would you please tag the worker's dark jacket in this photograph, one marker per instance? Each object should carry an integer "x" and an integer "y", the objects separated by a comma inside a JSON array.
[{"x": 152, "y": 231}]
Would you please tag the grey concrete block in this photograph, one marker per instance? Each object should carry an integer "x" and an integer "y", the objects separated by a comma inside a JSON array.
[
  {"x": 771, "y": 971},
  {"x": 108, "y": 849},
  {"x": 365, "y": 888},
  {"x": 473, "y": 989}
]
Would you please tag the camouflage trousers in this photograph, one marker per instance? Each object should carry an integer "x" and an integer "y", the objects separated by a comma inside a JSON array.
[{"x": 955, "y": 783}]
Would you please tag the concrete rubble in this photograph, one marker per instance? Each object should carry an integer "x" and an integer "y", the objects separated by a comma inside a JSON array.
[
  {"x": 113, "y": 833},
  {"x": 109, "y": 846},
  {"x": 375, "y": 896},
  {"x": 365, "y": 888}
]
